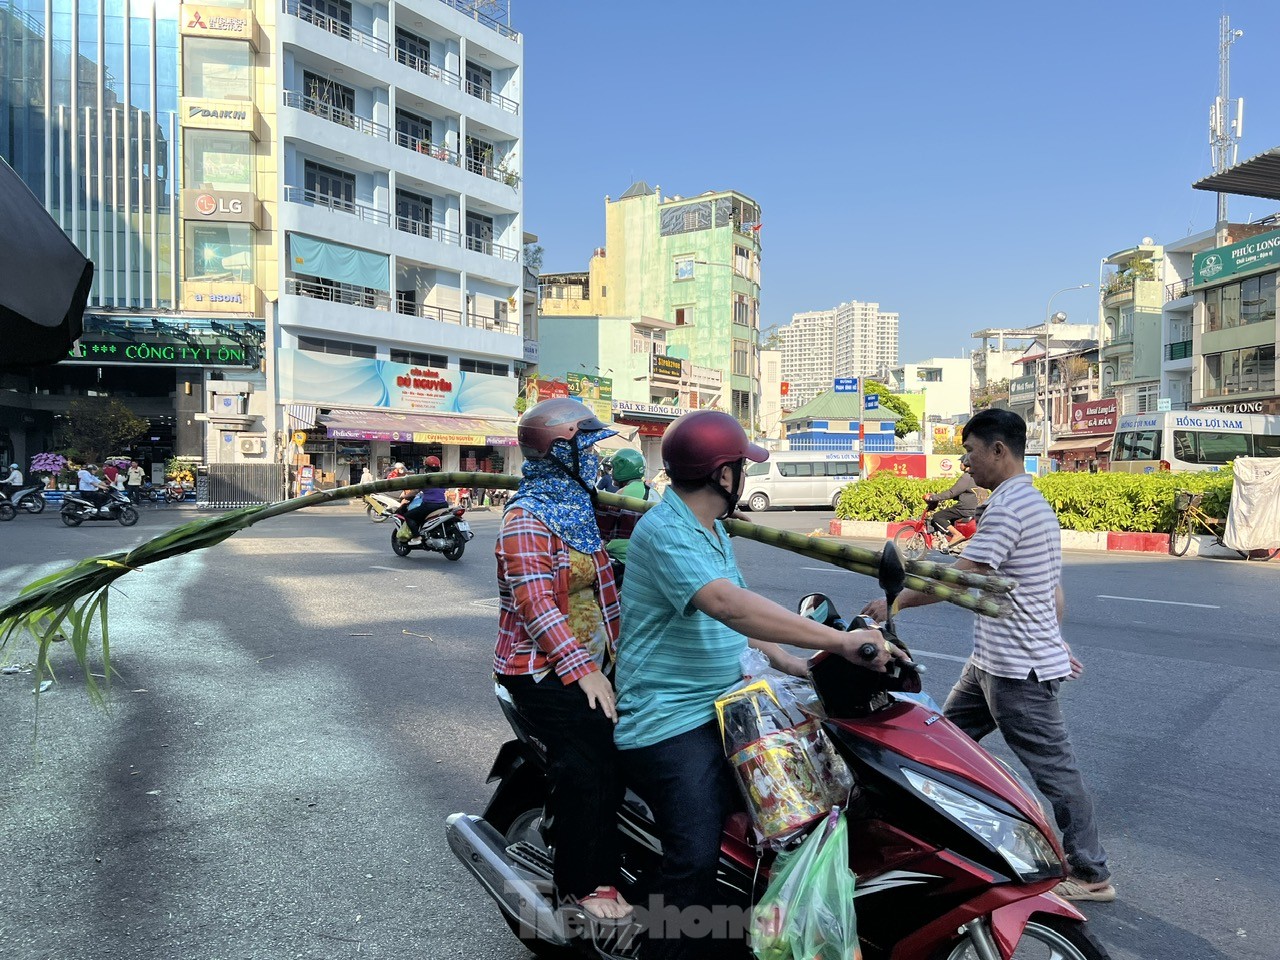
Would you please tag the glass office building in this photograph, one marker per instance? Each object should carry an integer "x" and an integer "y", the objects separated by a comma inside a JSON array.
[{"x": 88, "y": 118}]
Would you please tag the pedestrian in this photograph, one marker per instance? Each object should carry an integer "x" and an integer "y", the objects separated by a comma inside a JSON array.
[
  {"x": 366, "y": 476},
  {"x": 1011, "y": 681},
  {"x": 109, "y": 473},
  {"x": 687, "y": 616},
  {"x": 557, "y": 633},
  {"x": 133, "y": 481}
]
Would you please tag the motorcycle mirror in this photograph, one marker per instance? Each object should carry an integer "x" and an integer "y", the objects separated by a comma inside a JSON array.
[
  {"x": 818, "y": 607},
  {"x": 892, "y": 576}
]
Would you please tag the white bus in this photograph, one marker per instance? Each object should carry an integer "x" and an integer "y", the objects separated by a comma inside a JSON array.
[
  {"x": 799, "y": 478},
  {"x": 1191, "y": 440}
]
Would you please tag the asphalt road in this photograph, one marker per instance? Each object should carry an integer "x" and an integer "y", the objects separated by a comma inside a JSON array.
[{"x": 298, "y": 710}]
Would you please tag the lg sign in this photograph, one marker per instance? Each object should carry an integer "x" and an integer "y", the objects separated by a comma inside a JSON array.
[{"x": 208, "y": 205}]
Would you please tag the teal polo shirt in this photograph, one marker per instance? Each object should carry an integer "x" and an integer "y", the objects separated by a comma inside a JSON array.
[{"x": 673, "y": 660}]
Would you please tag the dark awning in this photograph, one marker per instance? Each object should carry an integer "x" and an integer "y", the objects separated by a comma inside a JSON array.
[
  {"x": 1257, "y": 177},
  {"x": 419, "y": 428}
]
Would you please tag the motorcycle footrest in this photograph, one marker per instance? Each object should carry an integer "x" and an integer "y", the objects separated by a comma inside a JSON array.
[{"x": 531, "y": 857}]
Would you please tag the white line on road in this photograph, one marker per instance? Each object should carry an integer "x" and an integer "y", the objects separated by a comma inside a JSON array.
[
  {"x": 388, "y": 569},
  {"x": 1172, "y": 603}
]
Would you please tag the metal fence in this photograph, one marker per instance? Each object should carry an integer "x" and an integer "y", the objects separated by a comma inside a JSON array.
[{"x": 229, "y": 485}]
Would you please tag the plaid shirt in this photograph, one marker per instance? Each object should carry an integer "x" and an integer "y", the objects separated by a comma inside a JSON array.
[{"x": 533, "y": 587}]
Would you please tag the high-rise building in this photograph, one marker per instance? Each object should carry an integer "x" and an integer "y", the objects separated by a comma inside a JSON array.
[{"x": 852, "y": 340}]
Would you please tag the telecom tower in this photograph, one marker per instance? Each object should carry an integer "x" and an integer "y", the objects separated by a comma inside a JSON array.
[{"x": 1225, "y": 129}]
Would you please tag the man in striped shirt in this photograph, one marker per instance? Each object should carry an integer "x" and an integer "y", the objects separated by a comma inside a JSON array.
[{"x": 1011, "y": 681}]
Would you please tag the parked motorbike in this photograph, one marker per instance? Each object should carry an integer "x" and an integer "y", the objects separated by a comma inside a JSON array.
[
  {"x": 29, "y": 498},
  {"x": 7, "y": 510},
  {"x": 918, "y": 537},
  {"x": 76, "y": 509},
  {"x": 445, "y": 532},
  {"x": 174, "y": 492},
  {"x": 955, "y": 859}
]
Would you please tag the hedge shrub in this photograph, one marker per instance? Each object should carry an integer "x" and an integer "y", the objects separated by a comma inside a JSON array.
[{"x": 1123, "y": 502}]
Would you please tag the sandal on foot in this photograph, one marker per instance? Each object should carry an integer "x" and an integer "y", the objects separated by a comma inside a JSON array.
[
  {"x": 605, "y": 893},
  {"x": 1073, "y": 889}
]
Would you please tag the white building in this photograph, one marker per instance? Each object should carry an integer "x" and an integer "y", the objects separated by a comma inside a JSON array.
[
  {"x": 944, "y": 381},
  {"x": 853, "y": 339},
  {"x": 771, "y": 398},
  {"x": 399, "y": 137}
]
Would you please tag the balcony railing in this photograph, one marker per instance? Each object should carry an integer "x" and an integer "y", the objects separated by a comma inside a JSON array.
[
  {"x": 429, "y": 230},
  {"x": 414, "y": 62},
  {"x": 304, "y": 11},
  {"x": 469, "y": 8},
  {"x": 445, "y": 315},
  {"x": 1176, "y": 291},
  {"x": 436, "y": 151},
  {"x": 1119, "y": 340},
  {"x": 327, "y": 111},
  {"x": 338, "y": 293},
  {"x": 313, "y": 198},
  {"x": 1181, "y": 350},
  {"x": 492, "y": 249},
  {"x": 486, "y": 169},
  {"x": 482, "y": 92}
]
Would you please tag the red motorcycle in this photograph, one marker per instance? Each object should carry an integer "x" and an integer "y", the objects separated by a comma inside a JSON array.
[
  {"x": 955, "y": 859},
  {"x": 917, "y": 537}
]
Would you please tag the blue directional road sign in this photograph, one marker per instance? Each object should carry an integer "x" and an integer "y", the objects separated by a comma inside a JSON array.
[
  {"x": 872, "y": 401},
  {"x": 846, "y": 384}
]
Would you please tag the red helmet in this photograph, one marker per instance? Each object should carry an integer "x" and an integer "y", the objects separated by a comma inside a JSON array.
[
  {"x": 703, "y": 441},
  {"x": 431, "y": 463},
  {"x": 557, "y": 419}
]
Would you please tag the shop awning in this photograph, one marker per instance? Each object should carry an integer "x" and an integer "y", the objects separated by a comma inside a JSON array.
[
  {"x": 419, "y": 428},
  {"x": 1080, "y": 443}
]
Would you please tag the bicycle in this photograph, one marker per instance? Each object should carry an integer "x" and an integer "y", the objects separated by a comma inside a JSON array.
[{"x": 1187, "y": 506}]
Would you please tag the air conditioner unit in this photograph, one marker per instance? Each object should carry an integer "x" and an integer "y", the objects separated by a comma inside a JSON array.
[{"x": 253, "y": 445}]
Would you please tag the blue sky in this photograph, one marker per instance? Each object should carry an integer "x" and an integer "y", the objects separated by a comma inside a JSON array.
[{"x": 955, "y": 162}]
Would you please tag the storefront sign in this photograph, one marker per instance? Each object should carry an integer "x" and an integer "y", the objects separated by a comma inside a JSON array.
[
  {"x": 539, "y": 390},
  {"x": 159, "y": 354},
  {"x": 207, "y": 296},
  {"x": 221, "y": 205},
  {"x": 335, "y": 380},
  {"x": 222, "y": 23},
  {"x": 1093, "y": 417},
  {"x": 586, "y": 387},
  {"x": 1243, "y": 406},
  {"x": 1247, "y": 256},
  {"x": 667, "y": 367},
  {"x": 219, "y": 115},
  {"x": 530, "y": 351},
  {"x": 624, "y": 408}
]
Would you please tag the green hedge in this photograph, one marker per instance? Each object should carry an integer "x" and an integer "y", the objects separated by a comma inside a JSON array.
[{"x": 1124, "y": 502}]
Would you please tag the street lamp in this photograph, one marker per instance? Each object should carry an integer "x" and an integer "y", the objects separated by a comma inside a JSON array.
[{"x": 1046, "y": 420}]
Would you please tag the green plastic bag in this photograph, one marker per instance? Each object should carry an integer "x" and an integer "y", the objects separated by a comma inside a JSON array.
[{"x": 807, "y": 912}]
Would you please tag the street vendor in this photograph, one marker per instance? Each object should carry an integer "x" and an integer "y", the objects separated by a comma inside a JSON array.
[{"x": 686, "y": 619}]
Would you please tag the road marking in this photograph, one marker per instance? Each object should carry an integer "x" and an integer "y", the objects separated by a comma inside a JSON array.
[
  {"x": 388, "y": 569},
  {"x": 1172, "y": 603}
]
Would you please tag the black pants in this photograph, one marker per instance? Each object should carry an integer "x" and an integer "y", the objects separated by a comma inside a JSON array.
[
  {"x": 689, "y": 787},
  {"x": 945, "y": 518},
  {"x": 418, "y": 514},
  {"x": 586, "y": 787}
]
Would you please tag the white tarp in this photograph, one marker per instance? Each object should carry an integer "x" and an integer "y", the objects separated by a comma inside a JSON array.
[{"x": 1253, "y": 521}]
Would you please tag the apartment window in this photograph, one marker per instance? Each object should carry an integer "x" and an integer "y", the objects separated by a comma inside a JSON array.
[
  {"x": 413, "y": 213},
  {"x": 483, "y": 366},
  {"x": 413, "y": 131},
  {"x": 1249, "y": 370},
  {"x": 217, "y": 161},
  {"x": 1126, "y": 322},
  {"x": 331, "y": 187},
  {"x": 416, "y": 51},
  {"x": 741, "y": 358},
  {"x": 338, "y": 347},
  {"x": 684, "y": 268},
  {"x": 1230, "y": 306},
  {"x": 1147, "y": 397},
  {"x": 741, "y": 310},
  {"x": 1258, "y": 299},
  {"x": 479, "y": 233},
  {"x": 419, "y": 359},
  {"x": 333, "y": 15},
  {"x": 219, "y": 251},
  {"x": 479, "y": 155},
  {"x": 479, "y": 81},
  {"x": 217, "y": 69},
  {"x": 329, "y": 99},
  {"x": 684, "y": 316}
]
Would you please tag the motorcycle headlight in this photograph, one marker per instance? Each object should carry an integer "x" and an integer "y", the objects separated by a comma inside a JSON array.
[{"x": 1025, "y": 849}]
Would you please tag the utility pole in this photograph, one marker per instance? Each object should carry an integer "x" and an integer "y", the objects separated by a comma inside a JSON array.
[{"x": 1224, "y": 127}]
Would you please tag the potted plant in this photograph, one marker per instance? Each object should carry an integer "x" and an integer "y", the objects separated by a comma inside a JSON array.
[{"x": 48, "y": 466}]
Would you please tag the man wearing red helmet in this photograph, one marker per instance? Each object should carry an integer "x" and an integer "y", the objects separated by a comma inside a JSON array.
[{"x": 687, "y": 617}]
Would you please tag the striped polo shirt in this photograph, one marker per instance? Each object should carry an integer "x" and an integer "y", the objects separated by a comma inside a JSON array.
[
  {"x": 673, "y": 660},
  {"x": 1019, "y": 536}
]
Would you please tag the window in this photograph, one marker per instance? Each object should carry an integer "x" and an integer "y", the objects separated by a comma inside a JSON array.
[
  {"x": 329, "y": 99},
  {"x": 684, "y": 268},
  {"x": 1148, "y": 395},
  {"x": 413, "y": 131},
  {"x": 416, "y": 50},
  {"x": 479, "y": 155},
  {"x": 413, "y": 213},
  {"x": 1213, "y": 309},
  {"x": 1230, "y": 306},
  {"x": 212, "y": 160},
  {"x": 1266, "y": 445},
  {"x": 741, "y": 310},
  {"x": 419, "y": 359},
  {"x": 479, "y": 233},
  {"x": 483, "y": 366},
  {"x": 219, "y": 251},
  {"x": 1258, "y": 299},
  {"x": 842, "y": 468},
  {"x": 333, "y": 188},
  {"x": 333, "y": 15},
  {"x": 684, "y": 316},
  {"x": 759, "y": 469},
  {"x": 338, "y": 347},
  {"x": 217, "y": 69},
  {"x": 1248, "y": 370},
  {"x": 479, "y": 81},
  {"x": 797, "y": 469},
  {"x": 1126, "y": 323},
  {"x": 1221, "y": 447},
  {"x": 741, "y": 353},
  {"x": 1137, "y": 445}
]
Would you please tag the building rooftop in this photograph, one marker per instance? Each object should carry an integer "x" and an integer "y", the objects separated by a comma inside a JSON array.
[{"x": 830, "y": 405}]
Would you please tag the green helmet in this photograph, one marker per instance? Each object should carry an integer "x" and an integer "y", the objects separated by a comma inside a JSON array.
[{"x": 628, "y": 465}]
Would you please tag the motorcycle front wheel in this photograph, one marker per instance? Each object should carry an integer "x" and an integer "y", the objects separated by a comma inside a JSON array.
[
  {"x": 910, "y": 543},
  {"x": 1046, "y": 938},
  {"x": 33, "y": 504},
  {"x": 70, "y": 519},
  {"x": 400, "y": 547},
  {"x": 375, "y": 516},
  {"x": 127, "y": 517}
]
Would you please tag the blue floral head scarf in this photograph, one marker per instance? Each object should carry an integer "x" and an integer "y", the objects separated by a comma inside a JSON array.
[{"x": 555, "y": 498}]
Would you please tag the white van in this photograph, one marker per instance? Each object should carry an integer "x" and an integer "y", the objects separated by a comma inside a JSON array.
[{"x": 797, "y": 478}]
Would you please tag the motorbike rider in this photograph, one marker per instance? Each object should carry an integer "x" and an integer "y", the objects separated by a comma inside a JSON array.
[
  {"x": 628, "y": 473},
  {"x": 687, "y": 619},
  {"x": 90, "y": 486},
  {"x": 557, "y": 631},
  {"x": 418, "y": 506},
  {"x": 12, "y": 483},
  {"x": 965, "y": 492},
  {"x": 607, "y": 482}
]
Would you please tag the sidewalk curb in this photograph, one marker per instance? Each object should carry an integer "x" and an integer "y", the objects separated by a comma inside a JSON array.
[{"x": 1202, "y": 545}]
